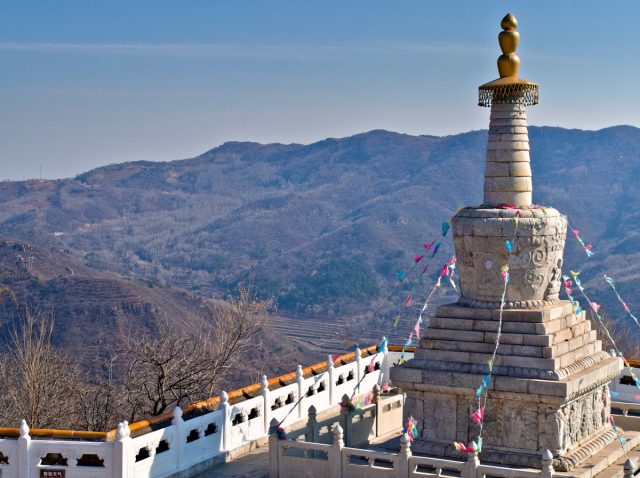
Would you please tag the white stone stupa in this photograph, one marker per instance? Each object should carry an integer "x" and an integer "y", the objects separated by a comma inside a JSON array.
[{"x": 549, "y": 386}]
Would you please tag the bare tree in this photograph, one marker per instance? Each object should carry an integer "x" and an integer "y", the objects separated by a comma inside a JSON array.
[
  {"x": 98, "y": 402},
  {"x": 36, "y": 379},
  {"x": 184, "y": 362},
  {"x": 623, "y": 332}
]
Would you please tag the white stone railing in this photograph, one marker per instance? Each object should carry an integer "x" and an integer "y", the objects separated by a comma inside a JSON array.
[
  {"x": 288, "y": 457},
  {"x": 184, "y": 445}
]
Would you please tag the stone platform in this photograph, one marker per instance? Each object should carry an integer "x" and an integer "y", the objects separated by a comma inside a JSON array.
[{"x": 549, "y": 388}]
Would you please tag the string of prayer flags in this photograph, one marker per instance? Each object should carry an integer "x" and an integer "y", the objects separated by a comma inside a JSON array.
[
  {"x": 604, "y": 327},
  {"x": 349, "y": 405},
  {"x": 586, "y": 247},
  {"x": 416, "y": 329},
  {"x": 478, "y": 415},
  {"x": 411, "y": 428},
  {"x": 567, "y": 288},
  {"x": 625, "y": 307},
  {"x": 486, "y": 380},
  {"x": 504, "y": 270},
  {"x": 278, "y": 430},
  {"x": 401, "y": 276},
  {"x": 371, "y": 365},
  {"x": 460, "y": 446},
  {"x": 509, "y": 246},
  {"x": 617, "y": 430}
]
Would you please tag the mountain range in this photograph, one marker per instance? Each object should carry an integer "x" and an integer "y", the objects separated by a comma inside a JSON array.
[{"x": 324, "y": 228}]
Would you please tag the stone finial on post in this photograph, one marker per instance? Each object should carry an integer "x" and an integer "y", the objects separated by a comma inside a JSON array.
[
  {"x": 547, "y": 464},
  {"x": 312, "y": 433},
  {"x": 274, "y": 450},
  {"x": 330, "y": 369},
  {"x": 629, "y": 468},
  {"x": 335, "y": 453},
  {"x": 121, "y": 450},
  {"x": 24, "y": 443},
  {"x": 301, "y": 393},
  {"x": 405, "y": 454}
]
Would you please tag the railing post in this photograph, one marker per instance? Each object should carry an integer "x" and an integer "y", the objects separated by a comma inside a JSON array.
[
  {"x": 386, "y": 365},
  {"x": 226, "y": 421},
  {"x": 300, "y": 380},
  {"x": 312, "y": 433},
  {"x": 405, "y": 454},
  {"x": 629, "y": 468},
  {"x": 547, "y": 464},
  {"x": 24, "y": 443},
  {"x": 274, "y": 452},
  {"x": 335, "y": 453},
  {"x": 121, "y": 448},
  {"x": 471, "y": 466},
  {"x": 359, "y": 367},
  {"x": 347, "y": 419},
  {"x": 330, "y": 370},
  {"x": 376, "y": 401},
  {"x": 178, "y": 423},
  {"x": 266, "y": 399}
]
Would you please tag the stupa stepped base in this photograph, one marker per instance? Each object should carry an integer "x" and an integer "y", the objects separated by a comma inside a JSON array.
[{"x": 549, "y": 388}]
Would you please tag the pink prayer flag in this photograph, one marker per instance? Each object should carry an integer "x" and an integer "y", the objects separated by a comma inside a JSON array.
[
  {"x": 637, "y": 398},
  {"x": 419, "y": 258},
  {"x": 568, "y": 283},
  {"x": 576, "y": 232},
  {"x": 408, "y": 301},
  {"x": 417, "y": 329},
  {"x": 588, "y": 247},
  {"x": 478, "y": 415},
  {"x": 595, "y": 306},
  {"x": 427, "y": 247},
  {"x": 625, "y": 307},
  {"x": 444, "y": 271},
  {"x": 568, "y": 291},
  {"x": 452, "y": 261},
  {"x": 370, "y": 368},
  {"x": 504, "y": 275},
  {"x": 424, "y": 271}
]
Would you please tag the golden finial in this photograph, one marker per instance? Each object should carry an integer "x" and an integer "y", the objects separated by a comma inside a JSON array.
[
  {"x": 508, "y": 62},
  {"x": 509, "y": 88}
]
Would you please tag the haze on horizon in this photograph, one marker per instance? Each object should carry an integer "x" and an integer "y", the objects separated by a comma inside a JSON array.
[{"x": 85, "y": 84}]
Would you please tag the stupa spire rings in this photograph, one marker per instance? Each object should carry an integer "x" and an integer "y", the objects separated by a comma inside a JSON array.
[{"x": 509, "y": 88}]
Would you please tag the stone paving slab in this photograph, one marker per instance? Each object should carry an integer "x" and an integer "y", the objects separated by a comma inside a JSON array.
[{"x": 254, "y": 464}]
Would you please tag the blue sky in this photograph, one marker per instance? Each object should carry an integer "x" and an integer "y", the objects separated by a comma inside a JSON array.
[{"x": 87, "y": 83}]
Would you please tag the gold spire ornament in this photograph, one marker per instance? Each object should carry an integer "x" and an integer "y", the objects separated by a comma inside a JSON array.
[{"x": 508, "y": 88}]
